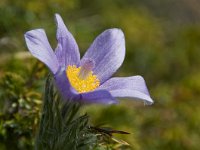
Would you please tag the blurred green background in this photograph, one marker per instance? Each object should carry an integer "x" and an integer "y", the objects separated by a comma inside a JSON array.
[{"x": 162, "y": 45}]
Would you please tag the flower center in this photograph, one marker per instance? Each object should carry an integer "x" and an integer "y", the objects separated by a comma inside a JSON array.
[{"x": 82, "y": 78}]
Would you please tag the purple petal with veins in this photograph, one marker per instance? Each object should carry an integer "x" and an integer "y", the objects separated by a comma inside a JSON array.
[
  {"x": 38, "y": 45},
  {"x": 67, "y": 50},
  {"x": 130, "y": 87},
  {"x": 107, "y": 51}
]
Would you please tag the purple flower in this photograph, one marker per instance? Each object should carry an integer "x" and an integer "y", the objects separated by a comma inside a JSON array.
[{"x": 87, "y": 80}]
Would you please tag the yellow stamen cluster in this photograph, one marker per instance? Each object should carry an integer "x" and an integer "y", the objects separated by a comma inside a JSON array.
[{"x": 90, "y": 83}]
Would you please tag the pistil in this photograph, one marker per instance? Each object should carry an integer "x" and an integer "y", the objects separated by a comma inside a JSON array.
[{"x": 86, "y": 67}]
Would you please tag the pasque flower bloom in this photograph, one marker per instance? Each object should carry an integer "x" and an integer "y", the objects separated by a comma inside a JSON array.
[{"x": 87, "y": 80}]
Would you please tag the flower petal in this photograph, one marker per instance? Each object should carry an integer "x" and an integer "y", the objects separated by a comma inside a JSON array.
[
  {"x": 67, "y": 50},
  {"x": 64, "y": 86},
  {"x": 99, "y": 97},
  {"x": 107, "y": 51},
  {"x": 134, "y": 86},
  {"x": 40, "y": 48}
]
